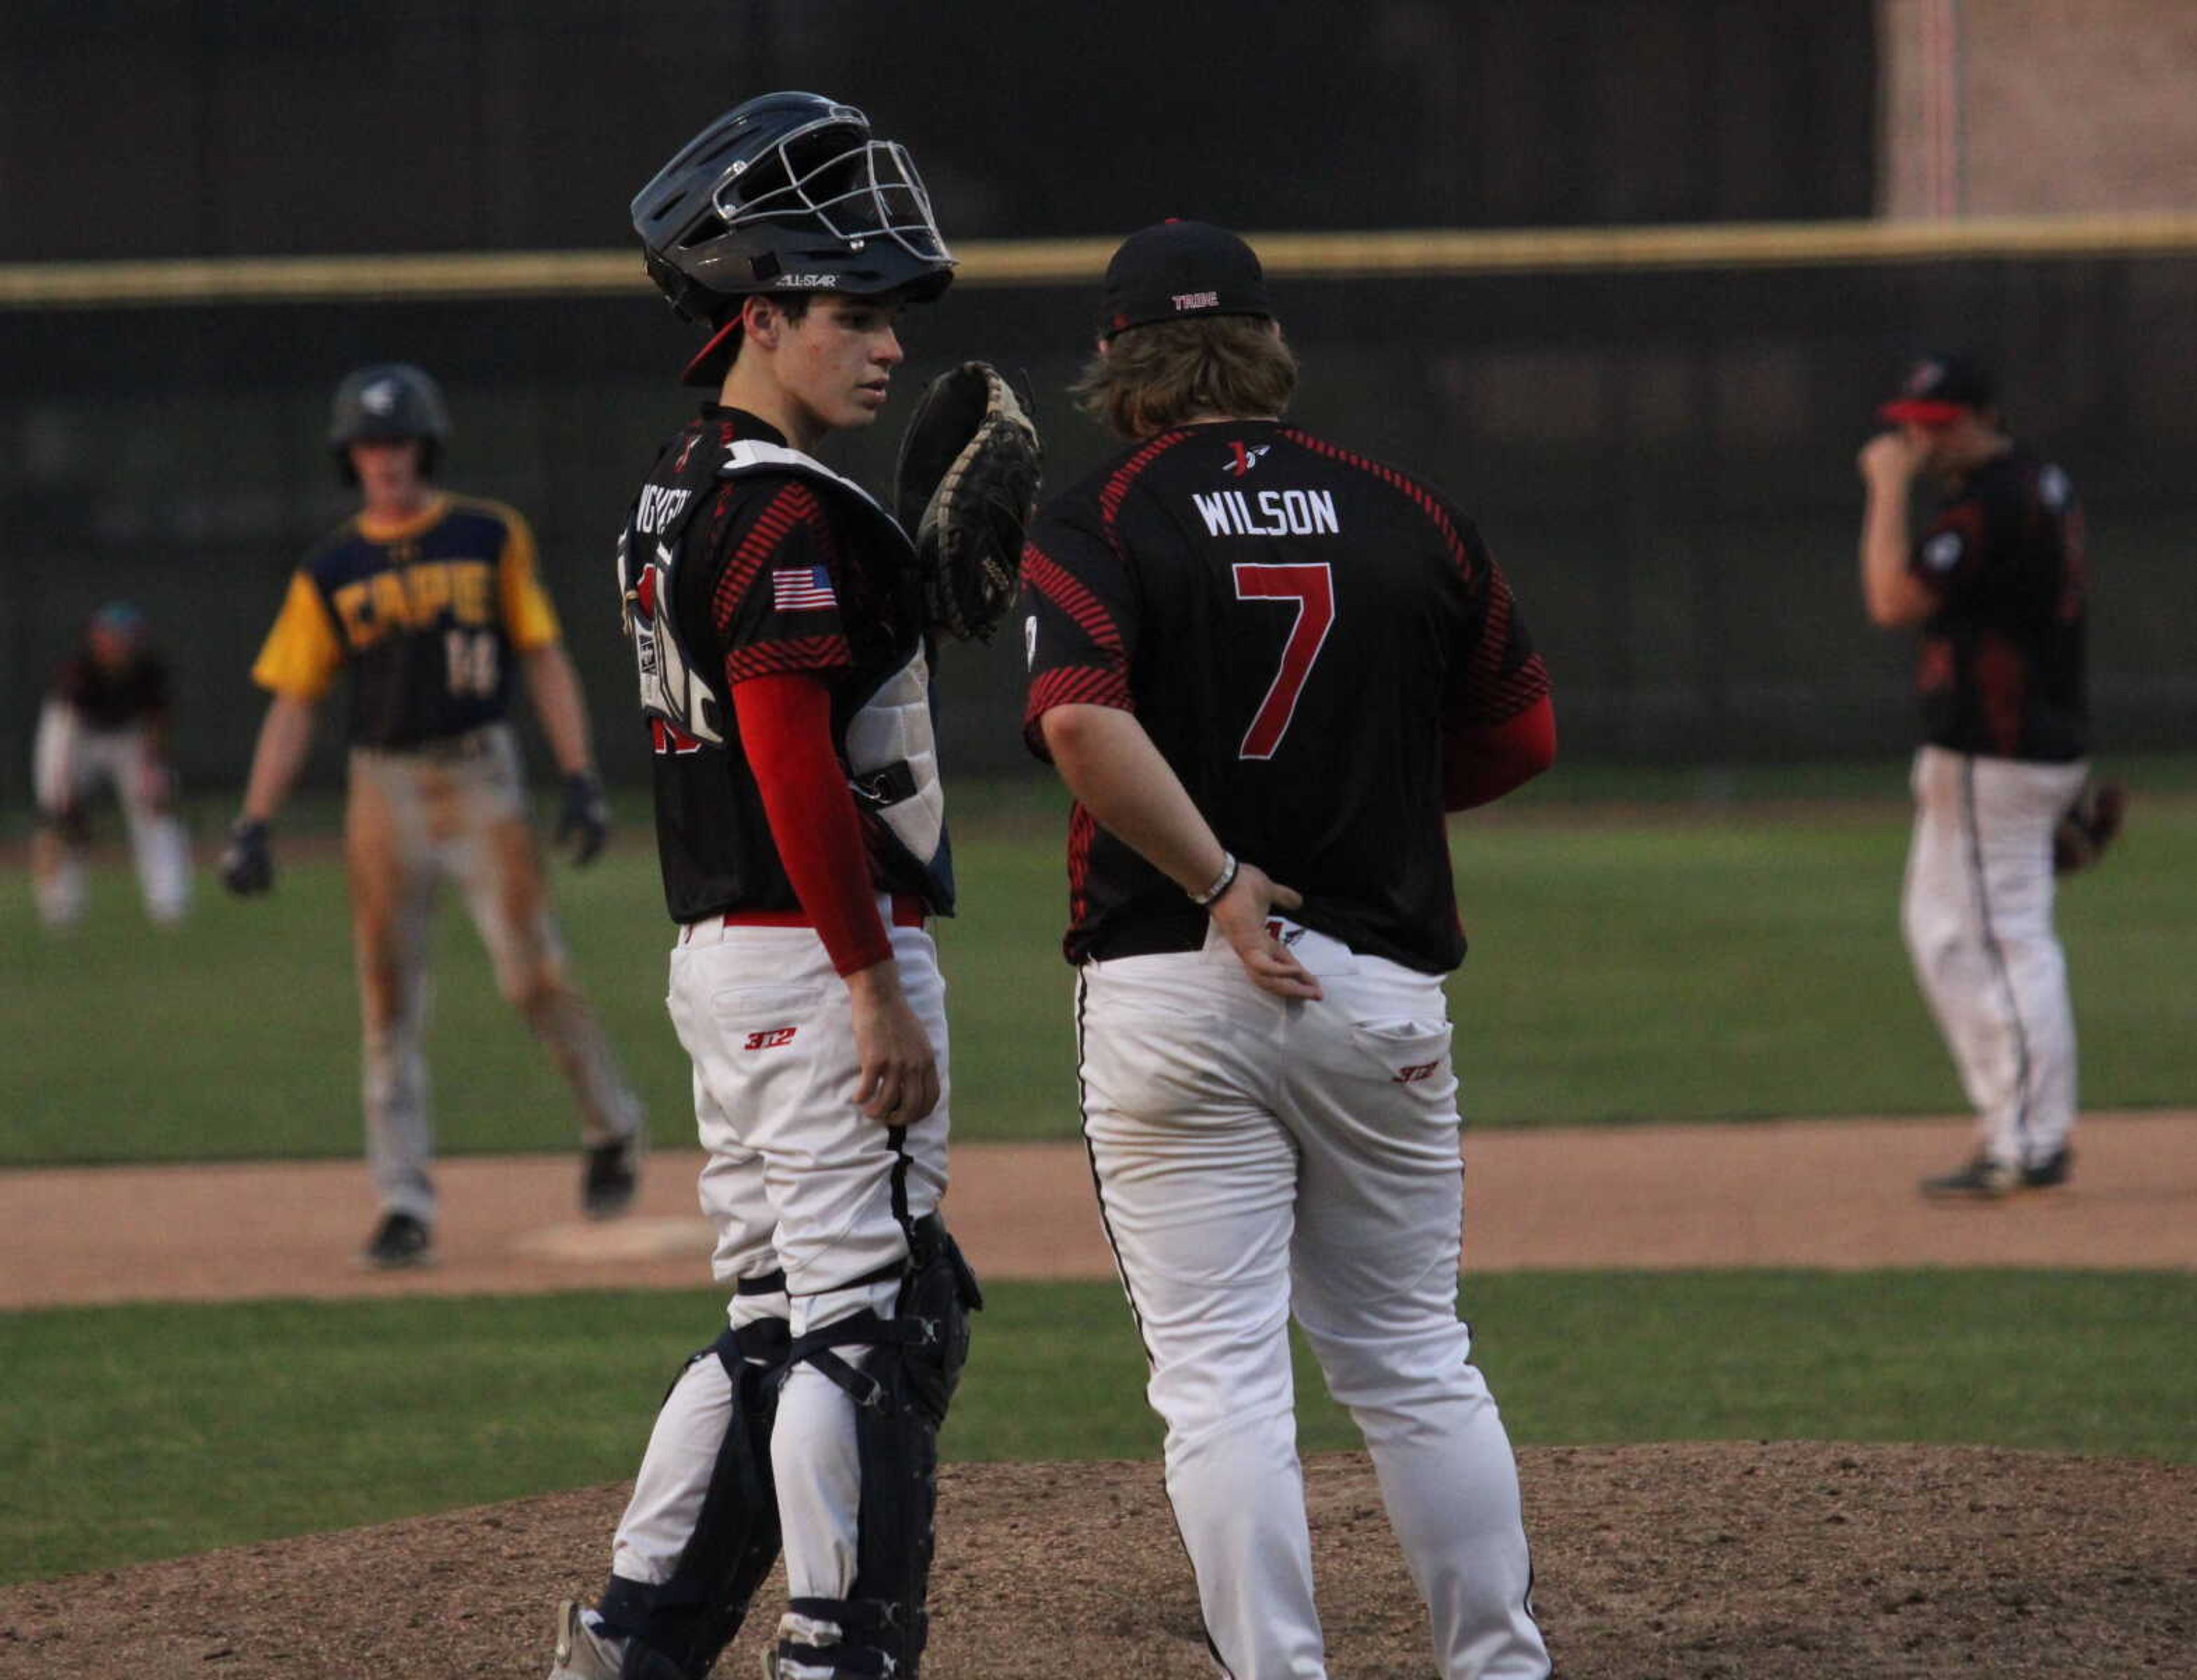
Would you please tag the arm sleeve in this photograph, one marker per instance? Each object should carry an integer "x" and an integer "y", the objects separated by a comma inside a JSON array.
[
  {"x": 529, "y": 620},
  {"x": 1483, "y": 762},
  {"x": 1079, "y": 625},
  {"x": 302, "y": 653},
  {"x": 785, "y": 727}
]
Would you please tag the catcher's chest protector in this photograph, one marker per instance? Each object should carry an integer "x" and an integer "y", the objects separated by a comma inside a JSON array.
[{"x": 887, "y": 739}]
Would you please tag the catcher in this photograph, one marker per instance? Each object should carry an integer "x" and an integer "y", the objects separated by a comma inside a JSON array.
[{"x": 785, "y": 628}]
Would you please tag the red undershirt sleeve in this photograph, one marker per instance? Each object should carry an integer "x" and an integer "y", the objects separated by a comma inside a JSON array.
[
  {"x": 785, "y": 726},
  {"x": 1484, "y": 763}
]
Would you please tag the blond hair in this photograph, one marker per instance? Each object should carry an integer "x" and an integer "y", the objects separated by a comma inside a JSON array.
[{"x": 1149, "y": 378}]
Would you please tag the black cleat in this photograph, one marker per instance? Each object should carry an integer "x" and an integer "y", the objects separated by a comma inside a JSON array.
[
  {"x": 609, "y": 1174},
  {"x": 1982, "y": 1179},
  {"x": 2050, "y": 1171},
  {"x": 401, "y": 1240}
]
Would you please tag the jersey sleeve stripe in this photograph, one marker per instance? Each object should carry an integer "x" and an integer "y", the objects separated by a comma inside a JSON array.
[
  {"x": 1071, "y": 686},
  {"x": 1117, "y": 488},
  {"x": 1495, "y": 692},
  {"x": 794, "y": 506},
  {"x": 774, "y": 659},
  {"x": 1428, "y": 502},
  {"x": 1061, "y": 588}
]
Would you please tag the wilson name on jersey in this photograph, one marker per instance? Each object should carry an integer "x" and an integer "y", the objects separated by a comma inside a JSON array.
[{"x": 426, "y": 616}]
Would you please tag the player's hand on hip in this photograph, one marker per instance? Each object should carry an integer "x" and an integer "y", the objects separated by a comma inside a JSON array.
[
  {"x": 247, "y": 863},
  {"x": 1241, "y": 914},
  {"x": 584, "y": 824},
  {"x": 898, "y": 1084}
]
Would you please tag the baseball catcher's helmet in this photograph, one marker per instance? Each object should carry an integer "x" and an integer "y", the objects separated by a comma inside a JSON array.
[
  {"x": 394, "y": 401},
  {"x": 787, "y": 193}
]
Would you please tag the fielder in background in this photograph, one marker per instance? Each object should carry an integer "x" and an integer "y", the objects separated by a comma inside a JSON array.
[
  {"x": 1998, "y": 583},
  {"x": 786, "y": 686},
  {"x": 105, "y": 719},
  {"x": 431, "y": 599},
  {"x": 1259, "y": 658}
]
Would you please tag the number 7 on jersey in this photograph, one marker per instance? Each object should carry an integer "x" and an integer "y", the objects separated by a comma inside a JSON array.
[{"x": 1311, "y": 586}]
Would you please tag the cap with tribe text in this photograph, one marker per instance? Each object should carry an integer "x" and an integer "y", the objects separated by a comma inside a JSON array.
[
  {"x": 1175, "y": 270},
  {"x": 1938, "y": 390}
]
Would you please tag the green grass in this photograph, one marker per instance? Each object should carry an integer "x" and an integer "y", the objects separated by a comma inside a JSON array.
[
  {"x": 128, "y": 1434},
  {"x": 1702, "y": 954}
]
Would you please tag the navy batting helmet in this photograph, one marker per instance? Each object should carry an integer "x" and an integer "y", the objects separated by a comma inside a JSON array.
[
  {"x": 788, "y": 192},
  {"x": 393, "y": 400}
]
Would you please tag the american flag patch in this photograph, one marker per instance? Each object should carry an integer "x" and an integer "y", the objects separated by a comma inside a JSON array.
[{"x": 807, "y": 590}]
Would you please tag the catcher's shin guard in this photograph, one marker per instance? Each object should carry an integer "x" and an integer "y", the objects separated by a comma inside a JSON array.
[
  {"x": 677, "y": 1628},
  {"x": 901, "y": 1395}
]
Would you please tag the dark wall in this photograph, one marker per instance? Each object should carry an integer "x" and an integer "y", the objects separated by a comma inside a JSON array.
[
  {"x": 1664, "y": 461},
  {"x": 142, "y": 128}
]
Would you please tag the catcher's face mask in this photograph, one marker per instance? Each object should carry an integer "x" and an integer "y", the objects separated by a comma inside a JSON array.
[{"x": 829, "y": 173}]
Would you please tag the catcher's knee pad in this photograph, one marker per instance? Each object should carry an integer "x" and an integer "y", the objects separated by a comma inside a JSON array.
[
  {"x": 901, "y": 1395},
  {"x": 677, "y": 1628}
]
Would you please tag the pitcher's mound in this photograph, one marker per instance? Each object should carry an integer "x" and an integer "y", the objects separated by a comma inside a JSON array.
[
  {"x": 1796, "y": 1561},
  {"x": 588, "y": 1241}
]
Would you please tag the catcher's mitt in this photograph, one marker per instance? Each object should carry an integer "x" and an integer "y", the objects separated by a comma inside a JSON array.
[
  {"x": 2088, "y": 827},
  {"x": 964, "y": 489}
]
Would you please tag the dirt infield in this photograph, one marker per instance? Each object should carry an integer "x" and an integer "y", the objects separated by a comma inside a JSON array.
[
  {"x": 1792, "y": 1560},
  {"x": 1799, "y": 1193}
]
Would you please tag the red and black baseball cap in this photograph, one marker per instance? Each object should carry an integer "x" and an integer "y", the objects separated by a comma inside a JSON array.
[
  {"x": 1175, "y": 270},
  {"x": 1939, "y": 389}
]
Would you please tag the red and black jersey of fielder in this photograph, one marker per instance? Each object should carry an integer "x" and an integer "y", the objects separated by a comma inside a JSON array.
[
  {"x": 2001, "y": 668},
  {"x": 1295, "y": 626},
  {"x": 770, "y": 579}
]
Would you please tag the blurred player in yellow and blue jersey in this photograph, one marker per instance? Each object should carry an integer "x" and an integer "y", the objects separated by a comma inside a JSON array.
[{"x": 430, "y": 599}]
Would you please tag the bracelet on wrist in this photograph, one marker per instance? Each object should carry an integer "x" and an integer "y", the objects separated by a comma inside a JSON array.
[{"x": 1221, "y": 882}]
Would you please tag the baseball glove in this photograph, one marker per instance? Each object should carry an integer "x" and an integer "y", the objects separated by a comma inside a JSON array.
[
  {"x": 964, "y": 488},
  {"x": 2088, "y": 827}
]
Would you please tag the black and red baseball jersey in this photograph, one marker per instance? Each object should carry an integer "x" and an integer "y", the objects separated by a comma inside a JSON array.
[
  {"x": 2001, "y": 668},
  {"x": 425, "y": 613},
  {"x": 743, "y": 558},
  {"x": 114, "y": 699},
  {"x": 1293, "y": 625}
]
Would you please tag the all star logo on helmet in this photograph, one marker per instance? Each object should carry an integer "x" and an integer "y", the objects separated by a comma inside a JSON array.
[{"x": 1242, "y": 460}]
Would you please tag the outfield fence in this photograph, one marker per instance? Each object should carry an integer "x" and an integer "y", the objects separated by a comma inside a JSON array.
[{"x": 1653, "y": 426}]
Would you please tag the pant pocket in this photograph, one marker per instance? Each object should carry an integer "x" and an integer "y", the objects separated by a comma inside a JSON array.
[{"x": 1405, "y": 1051}]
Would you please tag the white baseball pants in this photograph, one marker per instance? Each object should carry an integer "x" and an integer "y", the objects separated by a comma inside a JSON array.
[
  {"x": 68, "y": 762},
  {"x": 798, "y": 1178},
  {"x": 1976, "y": 911},
  {"x": 1256, "y": 1158}
]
